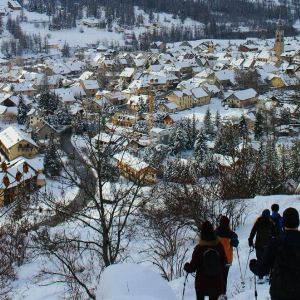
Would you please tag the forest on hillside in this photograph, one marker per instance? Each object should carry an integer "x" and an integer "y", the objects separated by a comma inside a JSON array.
[{"x": 221, "y": 18}]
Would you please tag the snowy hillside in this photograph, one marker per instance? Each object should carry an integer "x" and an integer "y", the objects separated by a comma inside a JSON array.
[{"x": 139, "y": 283}]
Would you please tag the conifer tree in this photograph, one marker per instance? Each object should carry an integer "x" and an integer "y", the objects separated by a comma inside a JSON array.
[
  {"x": 244, "y": 132},
  {"x": 208, "y": 126},
  {"x": 200, "y": 150},
  {"x": 258, "y": 125},
  {"x": 52, "y": 161},
  {"x": 22, "y": 111}
]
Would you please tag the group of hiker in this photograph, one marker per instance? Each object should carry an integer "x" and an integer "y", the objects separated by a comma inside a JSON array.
[{"x": 277, "y": 246}]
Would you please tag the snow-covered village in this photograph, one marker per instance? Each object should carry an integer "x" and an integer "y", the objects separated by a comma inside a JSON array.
[{"x": 149, "y": 152}]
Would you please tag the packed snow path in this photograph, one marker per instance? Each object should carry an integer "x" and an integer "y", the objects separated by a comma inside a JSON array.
[{"x": 235, "y": 289}]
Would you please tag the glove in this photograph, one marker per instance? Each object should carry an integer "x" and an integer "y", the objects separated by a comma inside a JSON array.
[
  {"x": 186, "y": 267},
  {"x": 250, "y": 243},
  {"x": 252, "y": 264}
]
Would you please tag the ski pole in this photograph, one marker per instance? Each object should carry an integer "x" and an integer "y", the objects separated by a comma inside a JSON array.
[
  {"x": 184, "y": 284},
  {"x": 255, "y": 289},
  {"x": 250, "y": 250},
  {"x": 238, "y": 255}
]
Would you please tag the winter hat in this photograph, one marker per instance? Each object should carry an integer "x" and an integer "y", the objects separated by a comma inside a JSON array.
[
  {"x": 291, "y": 218},
  {"x": 275, "y": 207},
  {"x": 266, "y": 213},
  {"x": 207, "y": 231},
  {"x": 224, "y": 222}
]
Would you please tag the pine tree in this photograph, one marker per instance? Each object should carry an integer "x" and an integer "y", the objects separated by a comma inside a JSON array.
[
  {"x": 179, "y": 140},
  {"x": 22, "y": 111},
  {"x": 63, "y": 116},
  {"x": 52, "y": 161},
  {"x": 258, "y": 125},
  {"x": 65, "y": 51},
  {"x": 200, "y": 150},
  {"x": 243, "y": 127},
  {"x": 48, "y": 101},
  {"x": 208, "y": 126},
  {"x": 217, "y": 119}
]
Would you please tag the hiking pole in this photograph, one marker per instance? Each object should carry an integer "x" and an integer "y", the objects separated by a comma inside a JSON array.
[
  {"x": 238, "y": 255},
  {"x": 255, "y": 289},
  {"x": 184, "y": 284},
  {"x": 250, "y": 250}
]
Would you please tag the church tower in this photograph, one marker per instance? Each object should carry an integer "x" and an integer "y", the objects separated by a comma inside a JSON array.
[{"x": 279, "y": 39}]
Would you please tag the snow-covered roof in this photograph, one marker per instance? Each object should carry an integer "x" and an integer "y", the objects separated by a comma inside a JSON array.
[
  {"x": 12, "y": 135},
  {"x": 127, "y": 72},
  {"x": 245, "y": 94},
  {"x": 199, "y": 93},
  {"x": 132, "y": 161},
  {"x": 90, "y": 84}
]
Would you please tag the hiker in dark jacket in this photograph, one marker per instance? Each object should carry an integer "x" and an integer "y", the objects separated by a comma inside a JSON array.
[
  {"x": 228, "y": 239},
  {"x": 277, "y": 218},
  {"x": 264, "y": 230},
  {"x": 207, "y": 284},
  {"x": 282, "y": 258}
]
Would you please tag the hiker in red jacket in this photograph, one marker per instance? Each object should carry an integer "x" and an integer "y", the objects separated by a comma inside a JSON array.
[{"x": 209, "y": 262}]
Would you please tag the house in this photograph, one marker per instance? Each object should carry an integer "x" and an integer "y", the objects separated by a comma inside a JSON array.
[
  {"x": 44, "y": 132},
  {"x": 200, "y": 97},
  {"x": 242, "y": 98},
  {"x": 18, "y": 177},
  {"x": 15, "y": 143},
  {"x": 161, "y": 135},
  {"x": 136, "y": 102},
  {"x": 90, "y": 87},
  {"x": 168, "y": 107},
  {"x": 135, "y": 168},
  {"x": 127, "y": 74},
  {"x": 124, "y": 120},
  {"x": 171, "y": 119},
  {"x": 224, "y": 162},
  {"x": 183, "y": 99},
  {"x": 14, "y": 5},
  {"x": 104, "y": 139}
]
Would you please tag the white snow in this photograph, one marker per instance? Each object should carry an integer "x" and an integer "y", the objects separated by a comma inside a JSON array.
[{"x": 132, "y": 282}]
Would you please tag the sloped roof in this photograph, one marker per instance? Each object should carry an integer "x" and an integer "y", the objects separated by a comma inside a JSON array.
[{"x": 12, "y": 135}]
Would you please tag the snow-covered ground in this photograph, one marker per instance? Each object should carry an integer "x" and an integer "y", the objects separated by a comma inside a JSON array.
[{"x": 138, "y": 284}]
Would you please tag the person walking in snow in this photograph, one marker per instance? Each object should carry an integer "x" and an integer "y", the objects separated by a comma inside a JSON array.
[
  {"x": 208, "y": 261},
  {"x": 228, "y": 239},
  {"x": 277, "y": 218},
  {"x": 282, "y": 259},
  {"x": 264, "y": 230}
]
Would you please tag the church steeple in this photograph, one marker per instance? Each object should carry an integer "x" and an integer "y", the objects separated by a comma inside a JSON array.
[{"x": 279, "y": 39}]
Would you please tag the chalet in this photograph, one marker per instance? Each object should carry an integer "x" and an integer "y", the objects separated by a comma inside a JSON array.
[
  {"x": 136, "y": 102},
  {"x": 44, "y": 132},
  {"x": 124, "y": 120},
  {"x": 14, "y": 5},
  {"x": 157, "y": 47},
  {"x": 15, "y": 143},
  {"x": 248, "y": 48},
  {"x": 242, "y": 98},
  {"x": 19, "y": 176},
  {"x": 168, "y": 107},
  {"x": 90, "y": 87},
  {"x": 134, "y": 168},
  {"x": 127, "y": 74},
  {"x": 24, "y": 88},
  {"x": 171, "y": 119},
  {"x": 104, "y": 139}
]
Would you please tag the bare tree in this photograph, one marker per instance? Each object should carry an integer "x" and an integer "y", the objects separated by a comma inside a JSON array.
[{"x": 104, "y": 208}]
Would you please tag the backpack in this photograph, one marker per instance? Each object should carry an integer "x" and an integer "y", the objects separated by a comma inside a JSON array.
[
  {"x": 278, "y": 224},
  {"x": 285, "y": 274},
  {"x": 264, "y": 232},
  {"x": 211, "y": 262}
]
